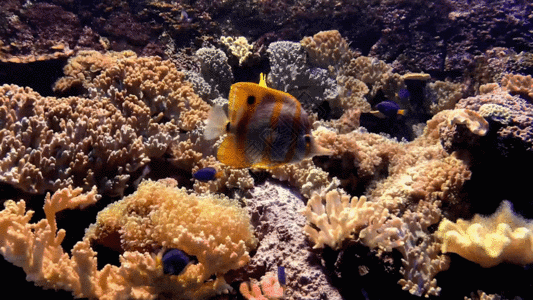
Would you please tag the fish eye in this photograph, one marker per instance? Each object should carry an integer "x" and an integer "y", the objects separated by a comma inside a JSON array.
[
  {"x": 250, "y": 100},
  {"x": 307, "y": 139}
]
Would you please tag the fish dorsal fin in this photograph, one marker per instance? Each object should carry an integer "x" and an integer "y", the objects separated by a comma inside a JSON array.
[
  {"x": 262, "y": 80},
  {"x": 229, "y": 153}
]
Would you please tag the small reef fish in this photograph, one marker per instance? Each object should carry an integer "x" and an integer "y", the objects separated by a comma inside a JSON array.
[
  {"x": 404, "y": 94},
  {"x": 206, "y": 174},
  {"x": 388, "y": 109},
  {"x": 266, "y": 128},
  {"x": 175, "y": 261},
  {"x": 282, "y": 279}
]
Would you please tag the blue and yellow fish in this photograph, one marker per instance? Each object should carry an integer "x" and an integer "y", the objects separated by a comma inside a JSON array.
[
  {"x": 206, "y": 174},
  {"x": 388, "y": 108},
  {"x": 266, "y": 128}
]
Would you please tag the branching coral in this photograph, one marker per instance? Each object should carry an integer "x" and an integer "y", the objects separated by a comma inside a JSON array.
[
  {"x": 488, "y": 241},
  {"x": 134, "y": 110},
  {"x": 36, "y": 247},
  {"x": 337, "y": 219}
]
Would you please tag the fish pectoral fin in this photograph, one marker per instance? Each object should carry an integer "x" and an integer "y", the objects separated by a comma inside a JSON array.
[
  {"x": 230, "y": 154},
  {"x": 216, "y": 123}
]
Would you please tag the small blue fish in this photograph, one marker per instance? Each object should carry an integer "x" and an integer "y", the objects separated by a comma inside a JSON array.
[
  {"x": 388, "y": 109},
  {"x": 404, "y": 94},
  {"x": 175, "y": 261},
  {"x": 206, "y": 174},
  {"x": 282, "y": 279}
]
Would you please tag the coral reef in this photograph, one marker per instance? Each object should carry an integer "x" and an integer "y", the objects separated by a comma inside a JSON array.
[{"x": 362, "y": 223}]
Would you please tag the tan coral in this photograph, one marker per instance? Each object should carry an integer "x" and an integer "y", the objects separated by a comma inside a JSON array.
[
  {"x": 227, "y": 177},
  {"x": 518, "y": 84},
  {"x": 351, "y": 94},
  {"x": 489, "y": 241},
  {"x": 215, "y": 229},
  {"x": 36, "y": 247},
  {"x": 327, "y": 48},
  {"x": 443, "y": 95},
  {"x": 157, "y": 84},
  {"x": 85, "y": 66},
  {"x": 306, "y": 176}
]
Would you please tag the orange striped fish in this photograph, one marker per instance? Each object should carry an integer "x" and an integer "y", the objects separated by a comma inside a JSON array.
[{"x": 266, "y": 128}]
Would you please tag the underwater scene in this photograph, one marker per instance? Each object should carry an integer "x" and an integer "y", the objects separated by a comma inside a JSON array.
[{"x": 266, "y": 149}]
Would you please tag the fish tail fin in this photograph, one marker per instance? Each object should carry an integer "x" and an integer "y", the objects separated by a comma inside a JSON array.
[
  {"x": 401, "y": 112},
  {"x": 318, "y": 150},
  {"x": 216, "y": 123}
]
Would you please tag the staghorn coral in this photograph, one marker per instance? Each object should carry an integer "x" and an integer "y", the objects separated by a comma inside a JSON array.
[
  {"x": 489, "y": 241},
  {"x": 85, "y": 66},
  {"x": 134, "y": 110},
  {"x": 158, "y": 215},
  {"x": 155, "y": 83}
]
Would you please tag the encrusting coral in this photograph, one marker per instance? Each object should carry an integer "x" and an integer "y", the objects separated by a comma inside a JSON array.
[
  {"x": 489, "y": 241},
  {"x": 159, "y": 215}
]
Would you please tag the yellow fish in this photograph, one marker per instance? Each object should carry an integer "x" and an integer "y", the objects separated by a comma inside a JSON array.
[{"x": 266, "y": 128}]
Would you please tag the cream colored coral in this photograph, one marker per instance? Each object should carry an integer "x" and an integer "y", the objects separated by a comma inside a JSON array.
[
  {"x": 336, "y": 216},
  {"x": 496, "y": 113},
  {"x": 226, "y": 178},
  {"x": 238, "y": 47},
  {"x": 489, "y": 241}
]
